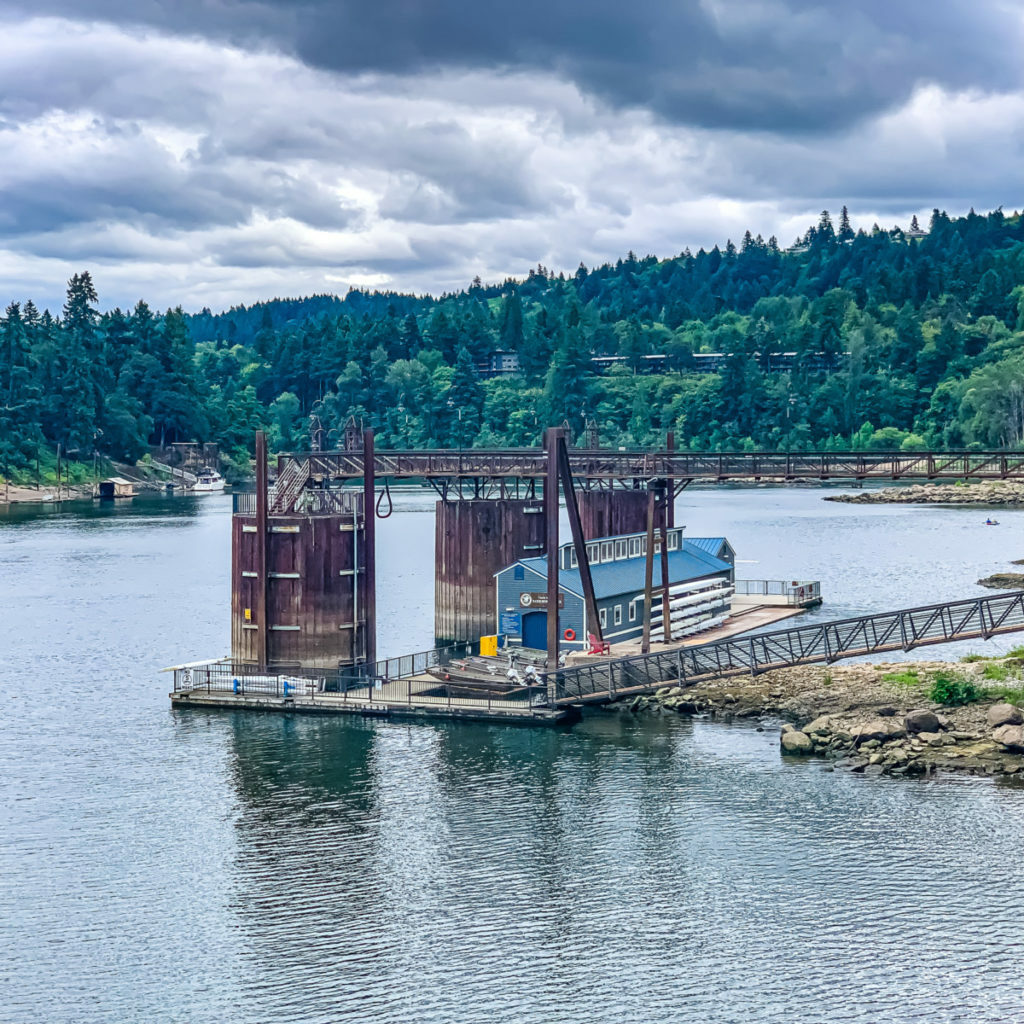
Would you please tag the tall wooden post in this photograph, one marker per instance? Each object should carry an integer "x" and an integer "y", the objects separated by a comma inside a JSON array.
[
  {"x": 645, "y": 646},
  {"x": 370, "y": 551},
  {"x": 551, "y": 439},
  {"x": 666, "y": 615},
  {"x": 670, "y": 494},
  {"x": 262, "y": 626}
]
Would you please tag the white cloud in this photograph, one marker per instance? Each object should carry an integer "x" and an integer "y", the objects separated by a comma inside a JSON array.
[{"x": 181, "y": 170}]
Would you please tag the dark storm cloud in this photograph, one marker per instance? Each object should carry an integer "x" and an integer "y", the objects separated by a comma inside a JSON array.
[{"x": 787, "y": 65}]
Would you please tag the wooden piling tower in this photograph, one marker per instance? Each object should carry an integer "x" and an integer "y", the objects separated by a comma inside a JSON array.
[
  {"x": 473, "y": 539},
  {"x": 302, "y": 575}
]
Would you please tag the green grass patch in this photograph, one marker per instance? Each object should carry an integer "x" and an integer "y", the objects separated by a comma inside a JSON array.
[
  {"x": 1011, "y": 694},
  {"x": 996, "y": 672},
  {"x": 907, "y": 678},
  {"x": 970, "y": 659},
  {"x": 1015, "y": 652},
  {"x": 952, "y": 690}
]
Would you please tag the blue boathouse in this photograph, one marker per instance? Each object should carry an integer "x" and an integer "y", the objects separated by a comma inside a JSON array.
[{"x": 701, "y": 581}]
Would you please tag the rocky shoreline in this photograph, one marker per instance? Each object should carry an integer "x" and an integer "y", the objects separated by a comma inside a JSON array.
[
  {"x": 982, "y": 493},
  {"x": 875, "y": 719}
]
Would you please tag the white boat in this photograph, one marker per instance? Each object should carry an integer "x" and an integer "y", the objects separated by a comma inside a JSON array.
[{"x": 208, "y": 481}]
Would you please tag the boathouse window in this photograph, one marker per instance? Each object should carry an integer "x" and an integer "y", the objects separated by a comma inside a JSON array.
[
  {"x": 606, "y": 551},
  {"x": 603, "y": 617},
  {"x": 519, "y": 573},
  {"x": 673, "y": 541},
  {"x": 572, "y": 558},
  {"x": 632, "y": 611},
  {"x": 634, "y": 546},
  {"x": 592, "y": 552},
  {"x": 620, "y": 549},
  {"x": 618, "y": 615}
]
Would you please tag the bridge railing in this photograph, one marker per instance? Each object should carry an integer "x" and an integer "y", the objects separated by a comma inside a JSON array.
[
  {"x": 795, "y": 592},
  {"x": 605, "y": 464},
  {"x": 407, "y": 665},
  {"x": 226, "y": 677},
  {"x": 978, "y": 618}
]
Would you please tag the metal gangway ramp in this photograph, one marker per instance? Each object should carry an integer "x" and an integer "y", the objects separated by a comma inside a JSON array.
[{"x": 902, "y": 630}]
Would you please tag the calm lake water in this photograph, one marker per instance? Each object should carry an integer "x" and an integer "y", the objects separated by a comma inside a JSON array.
[{"x": 230, "y": 867}]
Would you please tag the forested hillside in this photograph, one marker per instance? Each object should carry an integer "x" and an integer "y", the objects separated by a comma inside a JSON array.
[{"x": 897, "y": 339}]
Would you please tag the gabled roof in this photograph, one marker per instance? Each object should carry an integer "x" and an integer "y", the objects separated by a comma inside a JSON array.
[
  {"x": 626, "y": 576},
  {"x": 712, "y": 545}
]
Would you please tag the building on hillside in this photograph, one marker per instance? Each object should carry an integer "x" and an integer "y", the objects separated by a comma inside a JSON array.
[
  {"x": 701, "y": 581},
  {"x": 498, "y": 364}
]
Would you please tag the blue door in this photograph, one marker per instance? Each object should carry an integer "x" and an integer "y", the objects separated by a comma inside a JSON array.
[{"x": 535, "y": 630}]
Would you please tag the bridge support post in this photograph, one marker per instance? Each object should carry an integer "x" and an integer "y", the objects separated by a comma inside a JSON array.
[
  {"x": 262, "y": 622},
  {"x": 370, "y": 551},
  {"x": 551, "y": 440},
  {"x": 670, "y": 491},
  {"x": 645, "y": 644}
]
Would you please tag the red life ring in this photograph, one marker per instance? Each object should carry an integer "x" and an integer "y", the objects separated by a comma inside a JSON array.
[{"x": 569, "y": 634}]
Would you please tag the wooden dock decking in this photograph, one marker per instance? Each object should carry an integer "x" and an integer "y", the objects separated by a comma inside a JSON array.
[{"x": 743, "y": 621}]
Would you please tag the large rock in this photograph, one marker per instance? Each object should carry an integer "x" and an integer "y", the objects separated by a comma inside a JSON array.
[
  {"x": 1010, "y": 736},
  {"x": 1003, "y": 714},
  {"x": 877, "y": 729},
  {"x": 921, "y": 721},
  {"x": 796, "y": 742},
  {"x": 822, "y": 725}
]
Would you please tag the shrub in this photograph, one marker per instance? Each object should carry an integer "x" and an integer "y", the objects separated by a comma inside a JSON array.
[{"x": 953, "y": 690}]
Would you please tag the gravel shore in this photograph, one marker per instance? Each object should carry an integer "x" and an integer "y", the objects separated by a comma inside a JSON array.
[
  {"x": 981, "y": 493},
  {"x": 877, "y": 718}
]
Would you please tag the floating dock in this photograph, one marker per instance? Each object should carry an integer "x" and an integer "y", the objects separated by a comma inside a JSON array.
[{"x": 220, "y": 684}]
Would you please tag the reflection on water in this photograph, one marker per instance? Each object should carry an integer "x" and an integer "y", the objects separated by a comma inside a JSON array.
[{"x": 201, "y": 867}]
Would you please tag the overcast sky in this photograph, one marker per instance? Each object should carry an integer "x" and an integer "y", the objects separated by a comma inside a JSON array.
[{"x": 210, "y": 152}]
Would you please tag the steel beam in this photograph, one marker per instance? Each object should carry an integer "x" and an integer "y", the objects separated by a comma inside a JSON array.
[{"x": 579, "y": 543}]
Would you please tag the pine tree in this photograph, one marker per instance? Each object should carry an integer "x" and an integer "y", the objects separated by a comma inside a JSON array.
[
  {"x": 845, "y": 230},
  {"x": 510, "y": 336}
]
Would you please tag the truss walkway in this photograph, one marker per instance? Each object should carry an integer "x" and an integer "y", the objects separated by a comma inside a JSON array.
[{"x": 976, "y": 619}]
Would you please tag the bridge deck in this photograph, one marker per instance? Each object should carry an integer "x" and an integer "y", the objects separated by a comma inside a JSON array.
[{"x": 599, "y": 465}]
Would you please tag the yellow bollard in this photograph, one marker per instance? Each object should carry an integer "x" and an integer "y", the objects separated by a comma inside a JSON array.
[{"x": 488, "y": 646}]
